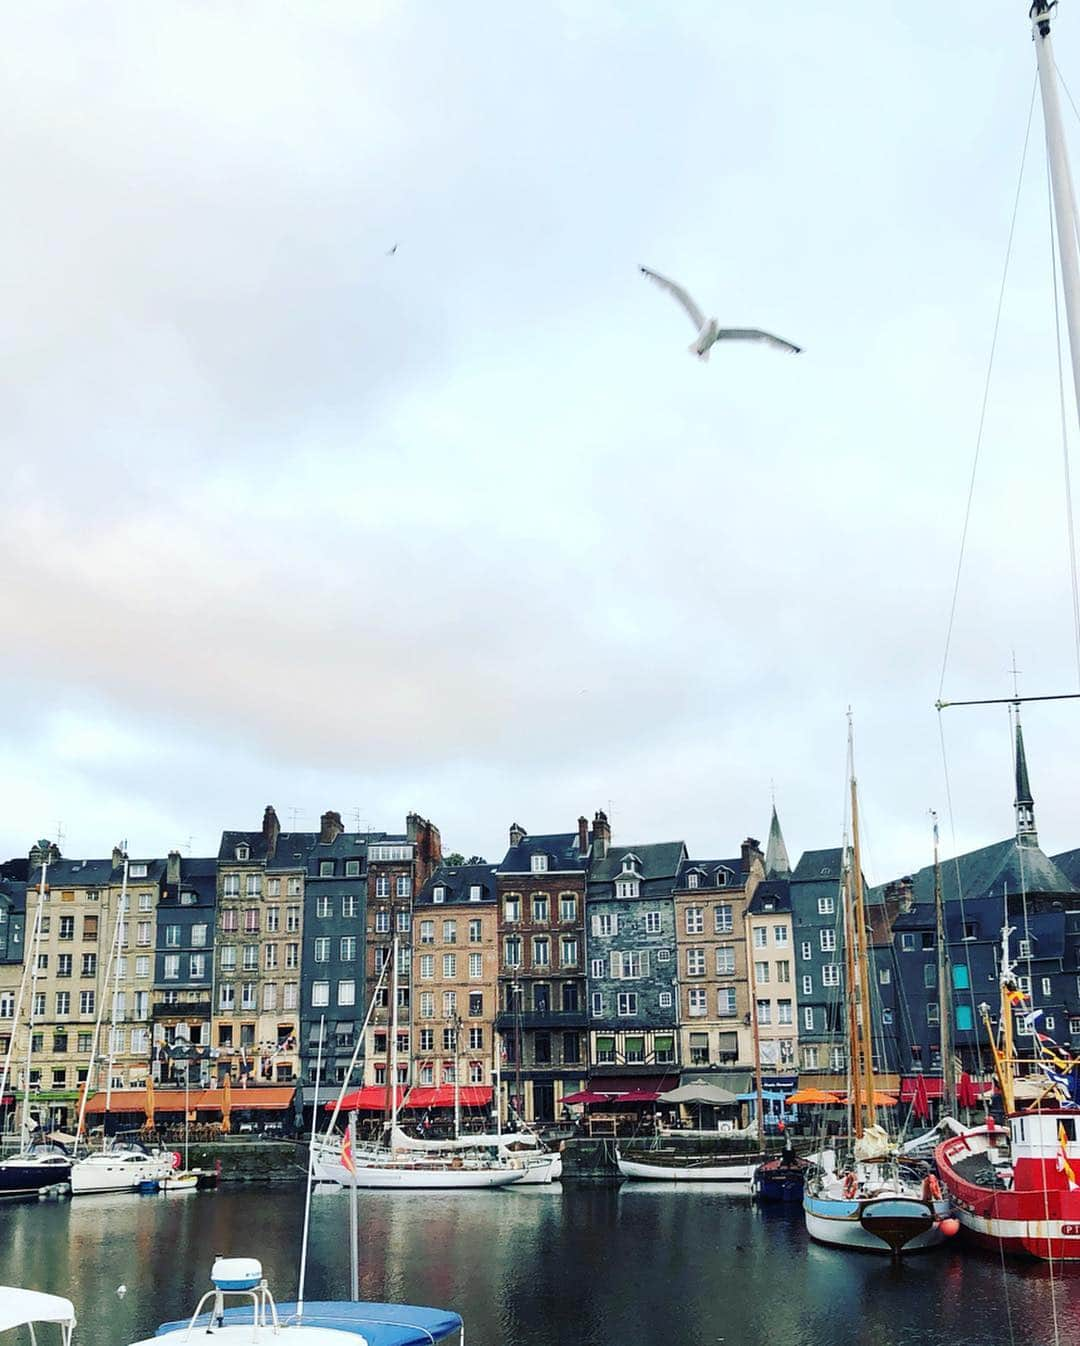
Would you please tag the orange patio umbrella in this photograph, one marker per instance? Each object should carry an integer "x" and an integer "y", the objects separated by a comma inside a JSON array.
[
  {"x": 880, "y": 1100},
  {"x": 812, "y": 1096},
  {"x": 226, "y": 1104}
]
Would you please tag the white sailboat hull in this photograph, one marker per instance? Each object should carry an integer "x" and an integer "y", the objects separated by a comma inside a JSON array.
[
  {"x": 402, "y": 1177},
  {"x": 732, "y": 1173},
  {"x": 99, "y": 1173},
  {"x": 842, "y": 1224},
  {"x": 538, "y": 1169}
]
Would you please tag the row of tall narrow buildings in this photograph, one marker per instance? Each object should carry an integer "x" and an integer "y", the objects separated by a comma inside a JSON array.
[{"x": 575, "y": 961}]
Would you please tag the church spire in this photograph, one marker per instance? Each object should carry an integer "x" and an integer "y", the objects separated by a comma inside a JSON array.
[
  {"x": 1026, "y": 833},
  {"x": 777, "y": 865}
]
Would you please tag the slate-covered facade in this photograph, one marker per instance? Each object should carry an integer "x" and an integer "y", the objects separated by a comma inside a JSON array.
[{"x": 183, "y": 975}]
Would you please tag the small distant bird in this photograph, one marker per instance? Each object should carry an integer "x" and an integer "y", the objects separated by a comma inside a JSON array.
[
  {"x": 121, "y": 1291},
  {"x": 709, "y": 333},
  {"x": 392, "y": 251}
]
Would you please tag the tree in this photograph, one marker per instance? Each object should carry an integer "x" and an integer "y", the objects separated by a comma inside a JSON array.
[
  {"x": 477, "y": 860},
  {"x": 454, "y": 859}
]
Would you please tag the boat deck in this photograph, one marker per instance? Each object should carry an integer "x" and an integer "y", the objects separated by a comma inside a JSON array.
[{"x": 977, "y": 1169}]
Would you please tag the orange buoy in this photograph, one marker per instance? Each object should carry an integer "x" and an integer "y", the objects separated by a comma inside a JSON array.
[{"x": 949, "y": 1227}]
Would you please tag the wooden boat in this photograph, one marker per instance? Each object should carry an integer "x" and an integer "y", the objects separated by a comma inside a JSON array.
[
  {"x": 781, "y": 1178},
  {"x": 739, "y": 1170}
]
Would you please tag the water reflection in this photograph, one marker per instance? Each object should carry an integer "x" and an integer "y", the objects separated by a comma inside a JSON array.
[{"x": 535, "y": 1267}]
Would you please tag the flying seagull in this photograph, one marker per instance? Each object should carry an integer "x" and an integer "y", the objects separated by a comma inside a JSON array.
[
  {"x": 391, "y": 252},
  {"x": 708, "y": 331}
]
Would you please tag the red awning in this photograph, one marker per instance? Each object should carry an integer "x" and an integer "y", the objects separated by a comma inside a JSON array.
[
  {"x": 633, "y": 1084},
  {"x": 639, "y": 1096},
  {"x": 587, "y": 1096},
  {"x": 371, "y": 1098},
  {"x": 472, "y": 1096},
  {"x": 935, "y": 1087}
]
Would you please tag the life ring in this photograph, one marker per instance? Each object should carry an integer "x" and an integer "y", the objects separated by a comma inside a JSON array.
[
  {"x": 931, "y": 1189},
  {"x": 176, "y": 1158},
  {"x": 851, "y": 1186}
]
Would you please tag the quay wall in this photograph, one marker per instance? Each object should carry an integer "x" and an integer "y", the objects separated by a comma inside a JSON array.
[{"x": 252, "y": 1161}]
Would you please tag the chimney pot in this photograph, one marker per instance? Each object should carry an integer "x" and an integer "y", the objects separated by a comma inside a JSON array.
[
  {"x": 517, "y": 834},
  {"x": 330, "y": 827},
  {"x": 582, "y": 835}
]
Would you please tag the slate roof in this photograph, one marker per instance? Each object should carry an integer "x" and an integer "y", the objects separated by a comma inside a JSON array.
[
  {"x": 815, "y": 865},
  {"x": 457, "y": 880},
  {"x": 771, "y": 897},
  {"x": 15, "y": 869},
  {"x": 198, "y": 875},
  {"x": 1069, "y": 864},
  {"x": 989, "y": 872},
  {"x": 708, "y": 868},
  {"x": 13, "y": 894},
  {"x": 76, "y": 874},
  {"x": 561, "y": 849},
  {"x": 656, "y": 860},
  {"x": 777, "y": 864}
]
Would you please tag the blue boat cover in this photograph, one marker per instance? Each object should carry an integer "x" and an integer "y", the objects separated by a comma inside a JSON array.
[{"x": 381, "y": 1324}]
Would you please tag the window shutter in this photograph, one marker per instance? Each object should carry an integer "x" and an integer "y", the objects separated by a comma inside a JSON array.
[
  {"x": 616, "y": 967},
  {"x": 644, "y": 963},
  {"x": 596, "y": 925}
]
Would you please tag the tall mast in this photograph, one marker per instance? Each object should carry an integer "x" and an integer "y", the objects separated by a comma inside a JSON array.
[
  {"x": 457, "y": 1074},
  {"x": 855, "y": 1083},
  {"x": 755, "y": 1032},
  {"x": 866, "y": 1036},
  {"x": 35, "y": 947},
  {"x": 391, "y": 1084},
  {"x": 948, "y": 1064},
  {"x": 1041, "y": 14}
]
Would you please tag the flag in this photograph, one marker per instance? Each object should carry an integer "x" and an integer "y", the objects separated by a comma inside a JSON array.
[
  {"x": 348, "y": 1163},
  {"x": 1015, "y": 997},
  {"x": 1063, "y": 1158}
]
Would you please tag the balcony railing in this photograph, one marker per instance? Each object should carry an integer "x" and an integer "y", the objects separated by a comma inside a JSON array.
[
  {"x": 507, "y": 1020},
  {"x": 182, "y": 1009}
]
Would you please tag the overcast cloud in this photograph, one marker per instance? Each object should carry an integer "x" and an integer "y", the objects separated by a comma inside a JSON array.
[{"x": 464, "y": 529}]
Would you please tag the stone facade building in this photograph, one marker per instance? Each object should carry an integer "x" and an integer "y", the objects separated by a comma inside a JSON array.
[
  {"x": 543, "y": 1019},
  {"x": 455, "y": 977},
  {"x": 770, "y": 961},
  {"x": 183, "y": 978},
  {"x": 711, "y": 898}
]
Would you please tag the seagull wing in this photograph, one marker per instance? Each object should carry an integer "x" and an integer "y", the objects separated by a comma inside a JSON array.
[
  {"x": 680, "y": 294},
  {"x": 756, "y": 334}
]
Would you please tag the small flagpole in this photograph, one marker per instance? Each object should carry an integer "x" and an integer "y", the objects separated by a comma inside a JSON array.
[
  {"x": 354, "y": 1216},
  {"x": 310, "y": 1173}
]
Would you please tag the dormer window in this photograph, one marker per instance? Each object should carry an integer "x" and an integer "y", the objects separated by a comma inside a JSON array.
[
  {"x": 474, "y": 892},
  {"x": 243, "y": 852},
  {"x": 722, "y": 876},
  {"x": 630, "y": 863},
  {"x": 627, "y": 887},
  {"x": 539, "y": 864},
  {"x": 692, "y": 880},
  {"x": 438, "y": 893},
  {"x": 137, "y": 871}
]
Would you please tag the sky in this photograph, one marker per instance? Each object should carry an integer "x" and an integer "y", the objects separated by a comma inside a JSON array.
[{"x": 294, "y": 518}]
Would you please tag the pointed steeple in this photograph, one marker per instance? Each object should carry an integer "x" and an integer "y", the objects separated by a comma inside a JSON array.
[
  {"x": 777, "y": 865},
  {"x": 1026, "y": 833}
]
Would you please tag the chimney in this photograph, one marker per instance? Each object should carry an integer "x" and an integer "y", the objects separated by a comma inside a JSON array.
[
  {"x": 330, "y": 826},
  {"x": 413, "y": 826},
  {"x": 271, "y": 830},
  {"x": 42, "y": 851},
  {"x": 517, "y": 834},
  {"x": 172, "y": 869},
  {"x": 117, "y": 857},
  {"x": 601, "y": 831},
  {"x": 751, "y": 850},
  {"x": 583, "y": 835}
]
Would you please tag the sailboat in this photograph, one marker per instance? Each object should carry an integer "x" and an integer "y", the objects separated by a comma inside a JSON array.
[
  {"x": 394, "y": 1165},
  {"x": 870, "y": 1204}
]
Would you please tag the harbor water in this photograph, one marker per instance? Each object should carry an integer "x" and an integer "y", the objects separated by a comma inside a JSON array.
[{"x": 535, "y": 1267}]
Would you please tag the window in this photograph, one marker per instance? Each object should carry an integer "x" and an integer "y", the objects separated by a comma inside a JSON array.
[
  {"x": 541, "y": 951},
  {"x": 540, "y": 907},
  {"x": 828, "y": 940},
  {"x": 761, "y": 936},
  {"x": 137, "y": 870},
  {"x": 427, "y": 932},
  {"x": 251, "y": 920},
  {"x": 928, "y": 939},
  {"x": 627, "y": 888},
  {"x": 231, "y": 885},
  {"x": 243, "y": 852},
  {"x": 725, "y": 1002},
  {"x": 808, "y": 1019},
  {"x": 596, "y": 1009},
  {"x": 89, "y": 965},
  {"x": 761, "y": 973},
  {"x": 605, "y": 924},
  {"x": 63, "y": 965},
  {"x": 1049, "y": 1022},
  {"x": 568, "y": 951},
  {"x": 227, "y": 958},
  {"x": 630, "y": 964},
  {"x": 292, "y": 957},
  {"x": 1046, "y": 989},
  {"x": 807, "y": 949},
  {"x": 695, "y": 920},
  {"x": 292, "y": 919},
  {"x": 808, "y": 985},
  {"x": 449, "y": 932},
  {"x": 89, "y": 927},
  {"x": 427, "y": 1005},
  {"x": 172, "y": 967},
  {"x": 542, "y": 1049},
  {"x": 320, "y": 993},
  {"x": 476, "y": 1004},
  {"x": 830, "y": 974},
  {"x": 273, "y": 920},
  {"x": 725, "y": 960},
  {"x": 783, "y": 970},
  {"x": 567, "y": 907},
  {"x": 247, "y": 995},
  {"x": 539, "y": 864},
  {"x": 144, "y": 901},
  {"x": 476, "y": 931},
  {"x": 38, "y": 1004},
  {"x": 780, "y": 934},
  {"x": 930, "y": 975},
  {"x": 695, "y": 963},
  {"x": 427, "y": 966},
  {"x": 438, "y": 893},
  {"x": 783, "y": 1011},
  {"x": 270, "y": 957},
  {"x": 347, "y": 949},
  {"x": 476, "y": 966},
  {"x": 253, "y": 887},
  {"x": 67, "y": 927},
  {"x": 449, "y": 1004},
  {"x": 475, "y": 892},
  {"x": 346, "y": 993},
  {"x": 826, "y": 906},
  {"x": 512, "y": 908},
  {"x": 322, "y": 951},
  {"x": 764, "y": 1011},
  {"x": 382, "y": 921},
  {"x": 652, "y": 923},
  {"x": 382, "y": 886},
  {"x": 907, "y": 942},
  {"x": 692, "y": 880},
  {"x": 697, "y": 1001},
  {"x": 403, "y": 886},
  {"x": 63, "y": 1007},
  {"x": 141, "y": 1007},
  {"x": 571, "y": 1052},
  {"x": 932, "y": 1014},
  {"x": 699, "y": 1049},
  {"x": 251, "y": 957},
  {"x": 724, "y": 921},
  {"x": 269, "y": 1000},
  {"x": 965, "y": 1020},
  {"x": 86, "y": 1003},
  {"x": 273, "y": 887},
  {"x": 626, "y": 1004},
  {"x": 449, "y": 966}
]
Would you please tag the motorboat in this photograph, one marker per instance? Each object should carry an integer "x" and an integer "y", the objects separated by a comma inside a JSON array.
[
  {"x": 260, "y": 1321},
  {"x": 39, "y": 1166},
  {"x": 120, "y": 1169}
]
